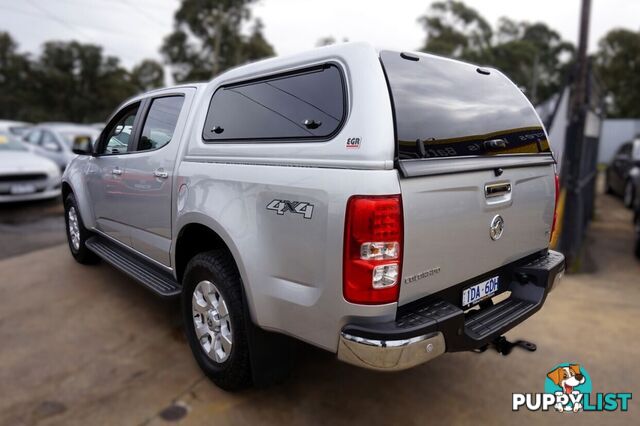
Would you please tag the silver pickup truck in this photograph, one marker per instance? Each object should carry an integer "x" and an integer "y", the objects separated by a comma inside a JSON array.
[{"x": 385, "y": 206}]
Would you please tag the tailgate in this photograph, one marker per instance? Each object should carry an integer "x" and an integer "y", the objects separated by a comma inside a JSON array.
[
  {"x": 473, "y": 156},
  {"x": 448, "y": 218}
]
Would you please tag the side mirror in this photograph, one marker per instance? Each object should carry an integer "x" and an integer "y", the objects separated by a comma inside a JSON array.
[{"x": 82, "y": 145}]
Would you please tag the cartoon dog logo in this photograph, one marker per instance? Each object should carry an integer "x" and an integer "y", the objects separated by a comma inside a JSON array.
[{"x": 567, "y": 378}]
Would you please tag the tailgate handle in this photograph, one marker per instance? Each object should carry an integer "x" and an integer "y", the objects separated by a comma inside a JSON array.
[{"x": 496, "y": 189}]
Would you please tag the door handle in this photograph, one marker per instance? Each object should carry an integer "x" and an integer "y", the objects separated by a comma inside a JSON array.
[
  {"x": 496, "y": 189},
  {"x": 160, "y": 173},
  {"x": 117, "y": 171}
]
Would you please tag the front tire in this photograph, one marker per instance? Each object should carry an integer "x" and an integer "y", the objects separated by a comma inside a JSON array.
[
  {"x": 214, "y": 316},
  {"x": 77, "y": 234}
]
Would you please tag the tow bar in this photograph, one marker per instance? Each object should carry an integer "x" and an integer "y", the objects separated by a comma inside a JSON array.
[{"x": 504, "y": 347}]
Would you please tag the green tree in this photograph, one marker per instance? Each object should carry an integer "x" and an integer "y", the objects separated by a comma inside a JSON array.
[
  {"x": 15, "y": 80},
  {"x": 75, "y": 82},
  {"x": 454, "y": 29},
  {"x": 68, "y": 81},
  {"x": 533, "y": 55},
  {"x": 207, "y": 39},
  {"x": 256, "y": 45},
  {"x": 147, "y": 75},
  {"x": 618, "y": 66}
]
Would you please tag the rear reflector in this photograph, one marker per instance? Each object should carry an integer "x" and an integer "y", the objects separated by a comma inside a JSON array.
[{"x": 373, "y": 249}]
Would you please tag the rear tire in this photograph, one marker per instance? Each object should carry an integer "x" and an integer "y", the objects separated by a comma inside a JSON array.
[
  {"x": 607, "y": 185},
  {"x": 637, "y": 229},
  {"x": 628, "y": 195},
  {"x": 214, "y": 318},
  {"x": 77, "y": 234}
]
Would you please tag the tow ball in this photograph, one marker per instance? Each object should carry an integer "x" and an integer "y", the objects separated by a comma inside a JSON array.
[{"x": 504, "y": 347}]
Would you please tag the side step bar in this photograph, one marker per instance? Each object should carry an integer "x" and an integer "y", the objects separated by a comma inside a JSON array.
[{"x": 158, "y": 281}]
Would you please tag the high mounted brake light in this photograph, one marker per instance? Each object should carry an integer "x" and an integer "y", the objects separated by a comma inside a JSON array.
[{"x": 373, "y": 249}]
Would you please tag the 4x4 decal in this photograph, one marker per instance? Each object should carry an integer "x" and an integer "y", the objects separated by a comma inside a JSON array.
[{"x": 298, "y": 207}]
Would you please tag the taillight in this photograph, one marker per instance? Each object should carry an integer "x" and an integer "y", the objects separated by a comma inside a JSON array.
[
  {"x": 373, "y": 249},
  {"x": 555, "y": 208}
]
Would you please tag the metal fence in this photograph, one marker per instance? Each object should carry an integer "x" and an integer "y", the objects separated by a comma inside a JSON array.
[{"x": 579, "y": 171}]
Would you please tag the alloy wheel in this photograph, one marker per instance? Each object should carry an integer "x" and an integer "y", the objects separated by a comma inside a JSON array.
[
  {"x": 74, "y": 228},
  {"x": 211, "y": 321}
]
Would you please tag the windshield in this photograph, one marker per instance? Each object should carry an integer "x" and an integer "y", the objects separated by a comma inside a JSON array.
[
  {"x": 9, "y": 143},
  {"x": 19, "y": 130},
  {"x": 446, "y": 108}
]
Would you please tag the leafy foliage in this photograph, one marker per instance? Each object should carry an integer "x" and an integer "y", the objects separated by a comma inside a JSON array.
[
  {"x": 15, "y": 74},
  {"x": 207, "y": 39},
  {"x": 533, "y": 55},
  {"x": 147, "y": 75},
  {"x": 454, "y": 29},
  {"x": 618, "y": 66},
  {"x": 69, "y": 81}
]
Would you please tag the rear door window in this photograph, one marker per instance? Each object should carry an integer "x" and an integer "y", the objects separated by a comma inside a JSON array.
[
  {"x": 445, "y": 108},
  {"x": 160, "y": 122},
  {"x": 309, "y": 104}
]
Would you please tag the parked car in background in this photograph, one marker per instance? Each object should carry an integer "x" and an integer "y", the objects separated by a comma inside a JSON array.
[
  {"x": 622, "y": 173},
  {"x": 17, "y": 128},
  {"x": 25, "y": 175},
  {"x": 54, "y": 140}
]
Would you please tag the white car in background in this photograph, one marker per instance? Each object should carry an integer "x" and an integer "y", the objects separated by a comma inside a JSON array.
[
  {"x": 25, "y": 175},
  {"x": 17, "y": 128},
  {"x": 54, "y": 140}
]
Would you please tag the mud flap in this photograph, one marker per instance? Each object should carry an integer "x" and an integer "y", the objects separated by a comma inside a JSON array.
[{"x": 272, "y": 355}]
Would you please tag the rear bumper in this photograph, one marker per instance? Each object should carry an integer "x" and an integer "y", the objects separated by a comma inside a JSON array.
[
  {"x": 427, "y": 328},
  {"x": 390, "y": 355}
]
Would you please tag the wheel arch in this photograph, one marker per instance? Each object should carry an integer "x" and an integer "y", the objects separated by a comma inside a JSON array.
[
  {"x": 75, "y": 186},
  {"x": 200, "y": 234},
  {"x": 66, "y": 190}
]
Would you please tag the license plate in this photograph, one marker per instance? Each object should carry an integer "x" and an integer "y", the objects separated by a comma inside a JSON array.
[
  {"x": 479, "y": 291},
  {"x": 22, "y": 189}
]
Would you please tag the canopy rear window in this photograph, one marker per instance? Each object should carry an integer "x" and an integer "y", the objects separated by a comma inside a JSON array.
[{"x": 446, "y": 108}]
